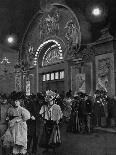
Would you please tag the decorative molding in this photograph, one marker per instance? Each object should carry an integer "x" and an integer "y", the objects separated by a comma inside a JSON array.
[
  {"x": 49, "y": 24},
  {"x": 72, "y": 37}
]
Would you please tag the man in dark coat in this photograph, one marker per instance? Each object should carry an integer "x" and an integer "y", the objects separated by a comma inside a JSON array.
[
  {"x": 88, "y": 113},
  {"x": 31, "y": 123},
  {"x": 34, "y": 124}
]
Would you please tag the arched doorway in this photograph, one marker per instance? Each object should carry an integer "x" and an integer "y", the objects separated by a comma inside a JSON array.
[
  {"x": 49, "y": 56},
  {"x": 50, "y": 43}
]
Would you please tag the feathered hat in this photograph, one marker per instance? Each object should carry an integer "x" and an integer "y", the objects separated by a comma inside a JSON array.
[{"x": 51, "y": 94}]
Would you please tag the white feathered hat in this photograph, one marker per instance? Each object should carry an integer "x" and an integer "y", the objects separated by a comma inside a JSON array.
[{"x": 50, "y": 93}]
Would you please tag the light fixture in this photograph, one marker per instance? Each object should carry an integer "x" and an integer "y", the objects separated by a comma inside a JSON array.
[
  {"x": 11, "y": 39},
  {"x": 4, "y": 65},
  {"x": 5, "y": 61},
  {"x": 97, "y": 11}
]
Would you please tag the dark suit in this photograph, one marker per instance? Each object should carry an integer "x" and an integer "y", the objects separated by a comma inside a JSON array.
[{"x": 32, "y": 129}]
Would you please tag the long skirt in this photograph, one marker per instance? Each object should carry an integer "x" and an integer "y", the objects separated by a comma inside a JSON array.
[
  {"x": 73, "y": 124},
  {"x": 50, "y": 137}
]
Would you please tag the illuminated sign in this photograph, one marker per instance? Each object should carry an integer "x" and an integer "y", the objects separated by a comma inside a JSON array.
[{"x": 52, "y": 56}]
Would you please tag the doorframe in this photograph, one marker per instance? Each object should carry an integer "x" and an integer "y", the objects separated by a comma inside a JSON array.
[{"x": 51, "y": 68}]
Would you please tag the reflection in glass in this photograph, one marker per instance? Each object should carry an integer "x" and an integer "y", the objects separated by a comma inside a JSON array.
[
  {"x": 47, "y": 77},
  {"x": 56, "y": 75},
  {"x": 44, "y": 77},
  {"x": 52, "y": 76},
  {"x": 62, "y": 75}
]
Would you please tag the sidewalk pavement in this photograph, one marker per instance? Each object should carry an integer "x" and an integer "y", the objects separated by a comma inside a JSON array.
[{"x": 109, "y": 130}]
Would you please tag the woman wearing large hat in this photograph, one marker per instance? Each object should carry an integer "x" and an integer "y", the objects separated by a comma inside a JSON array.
[
  {"x": 16, "y": 134},
  {"x": 51, "y": 113}
]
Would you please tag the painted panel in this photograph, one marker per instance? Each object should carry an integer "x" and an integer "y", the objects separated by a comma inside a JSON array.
[
  {"x": 105, "y": 73},
  {"x": 74, "y": 72},
  {"x": 28, "y": 87},
  {"x": 82, "y": 81},
  {"x": 88, "y": 71}
]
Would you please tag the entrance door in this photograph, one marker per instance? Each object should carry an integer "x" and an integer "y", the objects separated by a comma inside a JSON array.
[{"x": 54, "y": 85}]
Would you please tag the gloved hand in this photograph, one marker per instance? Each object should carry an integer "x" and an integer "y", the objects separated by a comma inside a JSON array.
[{"x": 32, "y": 117}]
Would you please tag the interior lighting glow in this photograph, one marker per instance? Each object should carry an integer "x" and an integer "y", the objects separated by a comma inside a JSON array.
[
  {"x": 46, "y": 42},
  {"x": 96, "y": 11},
  {"x": 11, "y": 40}
]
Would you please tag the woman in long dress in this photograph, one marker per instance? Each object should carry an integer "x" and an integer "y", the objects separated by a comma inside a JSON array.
[
  {"x": 51, "y": 112},
  {"x": 17, "y": 117},
  {"x": 73, "y": 124}
]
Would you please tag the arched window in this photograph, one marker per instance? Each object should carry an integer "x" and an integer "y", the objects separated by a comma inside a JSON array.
[{"x": 52, "y": 55}]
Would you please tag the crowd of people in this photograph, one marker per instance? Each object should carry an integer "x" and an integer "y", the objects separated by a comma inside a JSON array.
[
  {"x": 21, "y": 119},
  {"x": 23, "y": 116}
]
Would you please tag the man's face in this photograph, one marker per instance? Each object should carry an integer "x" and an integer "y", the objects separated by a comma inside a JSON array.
[{"x": 4, "y": 101}]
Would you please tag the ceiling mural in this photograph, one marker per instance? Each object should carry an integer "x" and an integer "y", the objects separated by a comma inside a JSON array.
[{"x": 59, "y": 24}]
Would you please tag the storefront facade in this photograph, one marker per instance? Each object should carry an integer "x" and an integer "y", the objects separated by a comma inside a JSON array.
[
  {"x": 52, "y": 57},
  {"x": 49, "y": 44}
]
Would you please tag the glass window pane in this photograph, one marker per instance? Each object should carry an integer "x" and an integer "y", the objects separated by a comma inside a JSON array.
[
  {"x": 52, "y": 76},
  {"x": 47, "y": 76},
  {"x": 56, "y": 75},
  {"x": 44, "y": 77},
  {"x": 62, "y": 75}
]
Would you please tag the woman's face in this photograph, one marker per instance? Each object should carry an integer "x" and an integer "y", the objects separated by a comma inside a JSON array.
[
  {"x": 48, "y": 98},
  {"x": 17, "y": 103},
  {"x": 4, "y": 101}
]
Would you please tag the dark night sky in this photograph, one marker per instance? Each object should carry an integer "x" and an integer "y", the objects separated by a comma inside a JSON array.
[{"x": 16, "y": 14}]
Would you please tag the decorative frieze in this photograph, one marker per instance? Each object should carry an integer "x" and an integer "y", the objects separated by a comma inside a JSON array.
[
  {"x": 49, "y": 24},
  {"x": 59, "y": 23},
  {"x": 72, "y": 37}
]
